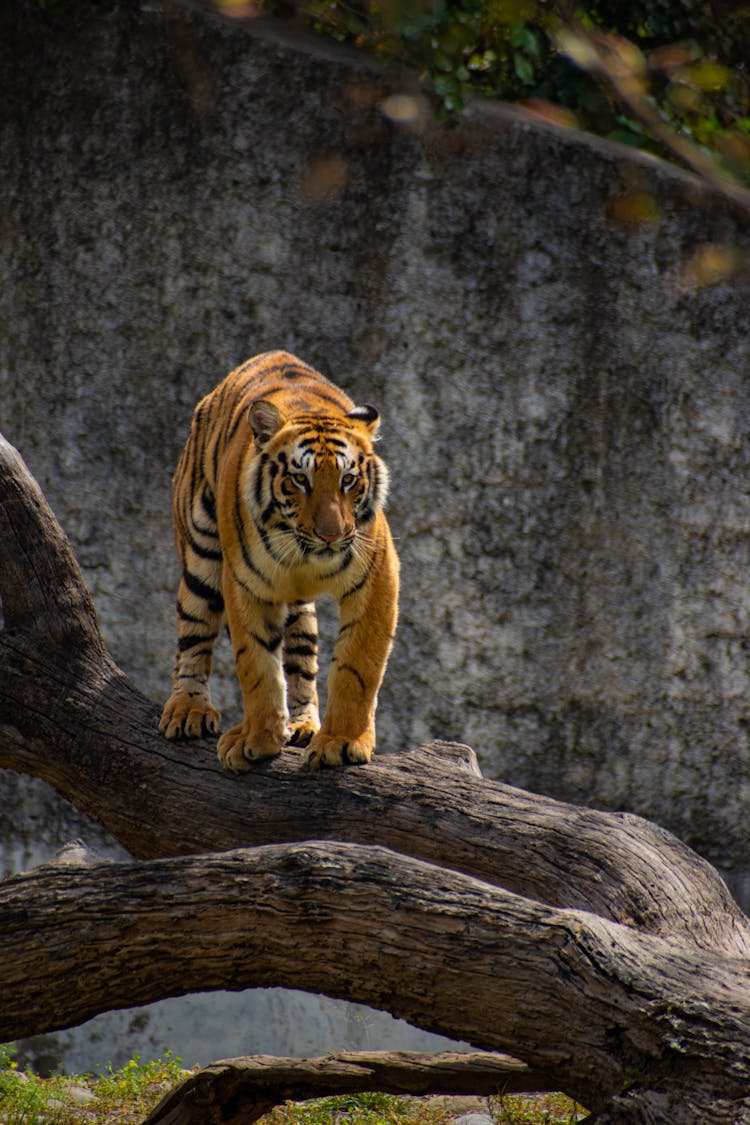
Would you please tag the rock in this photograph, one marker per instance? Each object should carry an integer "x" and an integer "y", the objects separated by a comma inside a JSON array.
[{"x": 80, "y": 1095}]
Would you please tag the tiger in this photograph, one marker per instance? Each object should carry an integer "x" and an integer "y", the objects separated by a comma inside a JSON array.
[{"x": 278, "y": 498}]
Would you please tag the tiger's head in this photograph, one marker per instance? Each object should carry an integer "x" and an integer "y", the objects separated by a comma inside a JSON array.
[{"x": 318, "y": 483}]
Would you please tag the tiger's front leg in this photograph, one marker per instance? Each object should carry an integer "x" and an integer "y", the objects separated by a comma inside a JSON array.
[
  {"x": 367, "y": 623},
  {"x": 257, "y": 631}
]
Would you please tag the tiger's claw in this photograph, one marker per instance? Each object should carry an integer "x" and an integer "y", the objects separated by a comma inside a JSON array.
[
  {"x": 327, "y": 750},
  {"x": 185, "y": 716}
]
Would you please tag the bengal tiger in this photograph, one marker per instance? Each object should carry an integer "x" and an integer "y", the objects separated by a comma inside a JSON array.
[{"x": 278, "y": 498}]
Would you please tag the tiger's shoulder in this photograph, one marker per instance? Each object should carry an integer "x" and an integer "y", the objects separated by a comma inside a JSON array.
[{"x": 292, "y": 385}]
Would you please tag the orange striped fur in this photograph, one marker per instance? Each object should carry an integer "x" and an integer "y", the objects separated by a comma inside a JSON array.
[{"x": 278, "y": 498}]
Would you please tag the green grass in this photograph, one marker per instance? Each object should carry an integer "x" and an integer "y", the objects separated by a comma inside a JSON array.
[
  {"x": 126, "y": 1096},
  {"x": 381, "y": 1109},
  {"x": 116, "y": 1097}
]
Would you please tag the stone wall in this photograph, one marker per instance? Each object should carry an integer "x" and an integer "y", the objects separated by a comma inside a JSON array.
[{"x": 566, "y": 417}]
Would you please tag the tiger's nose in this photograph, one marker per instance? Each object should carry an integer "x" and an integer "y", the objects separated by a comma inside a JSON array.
[{"x": 328, "y": 522}]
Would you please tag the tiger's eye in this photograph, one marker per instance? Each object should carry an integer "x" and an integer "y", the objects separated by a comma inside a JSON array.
[
  {"x": 348, "y": 480},
  {"x": 300, "y": 480}
]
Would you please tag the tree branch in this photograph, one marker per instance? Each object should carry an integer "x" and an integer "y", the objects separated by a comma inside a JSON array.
[
  {"x": 41, "y": 591},
  {"x": 242, "y": 1090}
]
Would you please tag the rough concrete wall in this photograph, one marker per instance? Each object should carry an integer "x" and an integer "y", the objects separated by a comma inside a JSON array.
[{"x": 567, "y": 423}]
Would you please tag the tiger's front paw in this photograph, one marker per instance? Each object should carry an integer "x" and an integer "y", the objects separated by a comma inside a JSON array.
[
  {"x": 241, "y": 746},
  {"x": 188, "y": 716},
  {"x": 335, "y": 750}
]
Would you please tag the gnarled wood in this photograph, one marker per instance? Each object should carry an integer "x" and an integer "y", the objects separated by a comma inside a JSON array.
[
  {"x": 239, "y": 1091},
  {"x": 596, "y": 947},
  {"x": 586, "y": 1003}
]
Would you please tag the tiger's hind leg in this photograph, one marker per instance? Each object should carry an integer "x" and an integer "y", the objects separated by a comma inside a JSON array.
[
  {"x": 189, "y": 712},
  {"x": 301, "y": 671}
]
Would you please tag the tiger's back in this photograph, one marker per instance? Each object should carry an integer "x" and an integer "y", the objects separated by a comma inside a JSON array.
[{"x": 278, "y": 498}]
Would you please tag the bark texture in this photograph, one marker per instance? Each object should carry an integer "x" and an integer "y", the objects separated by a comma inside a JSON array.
[
  {"x": 445, "y": 951},
  {"x": 462, "y": 905},
  {"x": 239, "y": 1091}
]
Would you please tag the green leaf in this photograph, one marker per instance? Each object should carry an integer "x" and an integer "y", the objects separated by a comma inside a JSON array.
[{"x": 523, "y": 68}]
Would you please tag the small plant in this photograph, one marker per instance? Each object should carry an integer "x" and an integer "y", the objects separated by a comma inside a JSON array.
[
  {"x": 539, "y": 1109},
  {"x": 124, "y": 1096},
  {"x": 137, "y": 1079},
  {"x": 25, "y": 1099},
  {"x": 353, "y": 1109}
]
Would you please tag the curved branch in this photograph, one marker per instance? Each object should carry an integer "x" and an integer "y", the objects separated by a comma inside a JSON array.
[
  {"x": 69, "y": 716},
  {"x": 442, "y": 950},
  {"x": 41, "y": 586},
  {"x": 242, "y": 1090}
]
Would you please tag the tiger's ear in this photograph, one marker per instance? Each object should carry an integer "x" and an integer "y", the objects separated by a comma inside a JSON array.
[
  {"x": 367, "y": 414},
  {"x": 265, "y": 420}
]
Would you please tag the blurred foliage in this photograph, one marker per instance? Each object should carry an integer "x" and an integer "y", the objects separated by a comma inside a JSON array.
[{"x": 686, "y": 60}]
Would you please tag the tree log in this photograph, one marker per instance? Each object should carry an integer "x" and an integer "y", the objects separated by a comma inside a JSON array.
[
  {"x": 239, "y": 1091},
  {"x": 447, "y": 952},
  {"x": 594, "y": 946}
]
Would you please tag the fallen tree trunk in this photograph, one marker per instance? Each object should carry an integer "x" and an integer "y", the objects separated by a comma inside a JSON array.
[
  {"x": 596, "y": 947},
  {"x": 586, "y": 1003},
  {"x": 239, "y": 1091}
]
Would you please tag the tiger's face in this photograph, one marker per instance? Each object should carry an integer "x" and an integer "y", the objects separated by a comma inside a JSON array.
[{"x": 318, "y": 483}]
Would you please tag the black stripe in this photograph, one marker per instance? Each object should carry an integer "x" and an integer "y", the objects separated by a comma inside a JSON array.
[
  {"x": 359, "y": 585},
  {"x": 208, "y": 503},
  {"x": 204, "y": 591},
  {"x": 268, "y": 511},
  {"x": 239, "y": 417},
  {"x": 300, "y": 650},
  {"x": 184, "y": 643},
  {"x": 213, "y": 553},
  {"x": 185, "y": 616},
  {"x": 322, "y": 423},
  {"x": 263, "y": 461},
  {"x": 355, "y": 673},
  {"x": 209, "y": 530},
  {"x": 295, "y": 670},
  {"x": 239, "y": 524},
  {"x": 348, "y": 556},
  {"x": 290, "y": 372},
  {"x": 311, "y": 638},
  {"x": 266, "y": 543},
  {"x": 271, "y": 644},
  {"x": 256, "y": 597}
]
